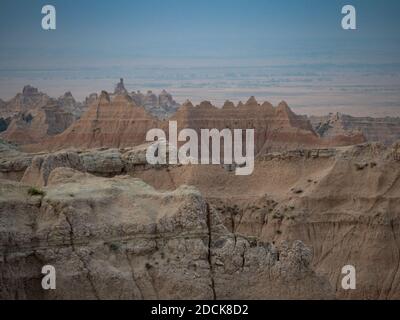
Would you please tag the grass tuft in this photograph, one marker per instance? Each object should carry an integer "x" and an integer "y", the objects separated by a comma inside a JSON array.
[{"x": 33, "y": 191}]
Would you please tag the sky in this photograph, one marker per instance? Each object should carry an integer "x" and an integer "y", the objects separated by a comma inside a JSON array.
[
  {"x": 166, "y": 42},
  {"x": 108, "y": 33}
]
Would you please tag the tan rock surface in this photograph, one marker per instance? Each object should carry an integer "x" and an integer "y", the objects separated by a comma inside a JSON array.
[
  {"x": 341, "y": 203},
  {"x": 385, "y": 130},
  {"x": 116, "y": 121},
  {"x": 120, "y": 238},
  {"x": 32, "y": 116}
]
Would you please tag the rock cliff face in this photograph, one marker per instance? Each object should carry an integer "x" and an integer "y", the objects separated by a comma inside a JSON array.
[
  {"x": 120, "y": 238},
  {"x": 320, "y": 208},
  {"x": 68, "y": 104},
  {"x": 23, "y": 102},
  {"x": 385, "y": 130},
  {"x": 13, "y": 162},
  {"x": 342, "y": 203},
  {"x": 162, "y": 106},
  {"x": 114, "y": 226},
  {"x": 32, "y": 116},
  {"x": 276, "y": 128},
  {"x": 116, "y": 121},
  {"x": 109, "y": 122},
  {"x": 120, "y": 88}
]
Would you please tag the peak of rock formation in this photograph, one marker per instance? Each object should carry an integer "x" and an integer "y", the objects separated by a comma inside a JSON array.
[
  {"x": 252, "y": 102},
  {"x": 116, "y": 121},
  {"x": 32, "y": 116},
  {"x": 228, "y": 105},
  {"x": 108, "y": 122},
  {"x": 187, "y": 104},
  {"x": 120, "y": 88},
  {"x": 385, "y": 130}
]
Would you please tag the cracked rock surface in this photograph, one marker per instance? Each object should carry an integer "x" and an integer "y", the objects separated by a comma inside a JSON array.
[{"x": 120, "y": 238}]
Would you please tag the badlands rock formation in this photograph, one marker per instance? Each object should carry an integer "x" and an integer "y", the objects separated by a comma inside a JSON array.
[
  {"x": 86, "y": 201},
  {"x": 166, "y": 106},
  {"x": 13, "y": 162},
  {"x": 120, "y": 88},
  {"x": 109, "y": 122},
  {"x": 342, "y": 203},
  {"x": 119, "y": 228},
  {"x": 276, "y": 128},
  {"x": 68, "y": 103},
  {"x": 116, "y": 121},
  {"x": 120, "y": 238},
  {"x": 32, "y": 116},
  {"x": 161, "y": 106},
  {"x": 385, "y": 130}
]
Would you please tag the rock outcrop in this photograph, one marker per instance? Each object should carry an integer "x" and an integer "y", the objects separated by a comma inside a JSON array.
[
  {"x": 116, "y": 121},
  {"x": 68, "y": 103},
  {"x": 340, "y": 203},
  {"x": 384, "y": 130},
  {"x": 276, "y": 128},
  {"x": 109, "y": 122},
  {"x": 32, "y": 116},
  {"x": 120, "y": 88},
  {"x": 120, "y": 238},
  {"x": 343, "y": 203},
  {"x": 13, "y": 163},
  {"x": 100, "y": 162},
  {"x": 162, "y": 106}
]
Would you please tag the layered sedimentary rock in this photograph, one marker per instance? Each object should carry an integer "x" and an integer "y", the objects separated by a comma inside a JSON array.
[
  {"x": 341, "y": 203},
  {"x": 120, "y": 238},
  {"x": 32, "y": 116},
  {"x": 120, "y": 88},
  {"x": 116, "y": 121},
  {"x": 385, "y": 130},
  {"x": 90, "y": 99},
  {"x": 276, "y": 128},
  {"x": 162, "y": 106},
  {"x": 24, "y": 101},
  {"x": 13, "y": 162},
  {"x": 109, "y": 122},
  {"x": 37, "y": 124},
  {"x": 68, "y": 103}
]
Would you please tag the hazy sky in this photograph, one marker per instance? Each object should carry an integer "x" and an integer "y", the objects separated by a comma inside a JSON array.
[{"x": 108, "y": 33}]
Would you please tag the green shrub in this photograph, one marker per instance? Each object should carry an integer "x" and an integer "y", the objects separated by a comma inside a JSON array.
[
  {"x": 114, "y": 246},
  {"x": 32, "y": 191}
]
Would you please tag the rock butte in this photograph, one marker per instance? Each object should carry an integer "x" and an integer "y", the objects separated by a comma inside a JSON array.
[
  {"x": 118, "y": 122},
  {"x": 32, "y": 117}
]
